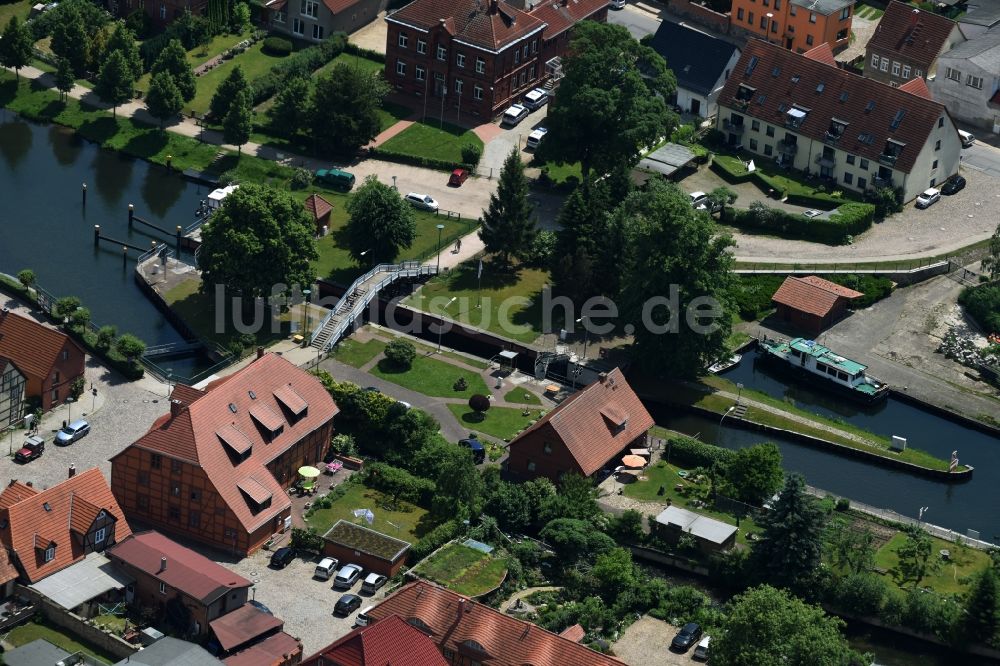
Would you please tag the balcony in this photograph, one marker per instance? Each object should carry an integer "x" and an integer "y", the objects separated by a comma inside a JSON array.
[
  {"x": 827, "y": 161},
  {"x": 788, "y": 148},
  {"x": 832, "y": 137},
  {"x": 888, "y": 159},
  {"x": 883, "y": 182},
  {"x": 732, "y": 127}
]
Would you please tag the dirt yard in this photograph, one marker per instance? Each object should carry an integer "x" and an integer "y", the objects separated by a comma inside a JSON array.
[{"x": 647, "y": 643}]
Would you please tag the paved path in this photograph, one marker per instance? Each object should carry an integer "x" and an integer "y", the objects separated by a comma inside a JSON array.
[
  {"x": 390, "y": 132},
  {"x": 521, "y": 594}
]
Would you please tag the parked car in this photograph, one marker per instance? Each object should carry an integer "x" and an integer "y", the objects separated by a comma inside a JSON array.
[
  {"x": 282, "y": 557},
  {"x": 347, "y": 576},
  {"x": 371, "y": 389},
  {"x": 347, "y": 604},
  {"x": 812, "y": 213},
  {"x": 373, "y": 583},
  {"x": 536, "y": 98},
  {"x": 928, "y": 197},
  {"x": 477, "y": 449},
  {"x": 404, "y": 404},
  {"x": 458, "y": 176},
  {"x": 326, "y": 568},
  {"x": 421, "y": 201},
  {"x": 967, "y": 138},
  {"x": 617, "y": 4},
  {"x": 514, "y": 114},
  {"x": 72, "y": 432},
  {"x": 259, "y": 606},
  {"x": 536, "y": 137},
  {"x": 954, "y": 185},
  {"x": 362, "y": 620},
  {"x": 686, "y": 637},
  {"x": 335, "y": 178},
  {"x": 701, "y": 650},
  {"x": 699, "y": 199},
  {"x": 33, "y": 447}
]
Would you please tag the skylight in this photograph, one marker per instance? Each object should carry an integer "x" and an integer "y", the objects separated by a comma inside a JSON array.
[
  {"x": 761, "y": 99},
  {"x": 795, "y": 79},
  {"x": 871, "y": 105},
  {"x": 253, "y": 396},
  {"x": 775, "y": 71},
  {"x": 47, "y": 506},
  {"x": 898, "y": 119},
  {"x": 751, "y": 65},
  {"x": 232, "y": 408},
  {"x": 843, "y": 96},
  {"x": 820, "y": 87}
]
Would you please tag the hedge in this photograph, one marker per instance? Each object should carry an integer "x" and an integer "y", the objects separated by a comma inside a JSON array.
[
  {"x": 983, "y": 303},
  {"x": 300, "y": 64},
  {"x": 354, "y": 49},
  {"x": 277, "y": 46},
  {"x": 434, "y": 539},
  {"x": 849, "y": 220},
  {"x": 726, "y": 167},
  {"x": 692, "y": 453},
  {"x": 415, "y": 160}
]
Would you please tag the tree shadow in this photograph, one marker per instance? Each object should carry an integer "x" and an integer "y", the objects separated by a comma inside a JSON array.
[
  {"x": 15, "y": 142},
  {"x": 473, "y": 418},
  {"x": 98, "y": 130},
  {"x": 160, "y": 191},
  {"x": 387, "y": 367},
  {"x": 52, "y": 109},
  {"x": 147, "y": 144},
  {"x": 8, "y": 92},
  {"x": 65, "y": 144},
  {"x": 112, "y": 175}
]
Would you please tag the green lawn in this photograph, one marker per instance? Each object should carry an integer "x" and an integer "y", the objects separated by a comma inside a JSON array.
[
  {"x": 254, "y": 63},
  {"x": 500, "y": 422},
  {"x": 31, "y": 631},
  {"x": 432, "y": 377},
  {"x": 20, "y": 9},
  {"x": 390, "y": 114},
  {"x": 522, "y": 396},
  {"x": 428, "y": 140},
  {"x": 511, "y": 303},
  {"x": 405, "y": 521},
  {"x": 559, "y": 173},
  {"x": 466, "y": 360},
  {"x": 356, "y": 354},
  {"x": 949, "y": 578},
  {"x": 359, "y": 62},
  {"x": 200, "y": 55},
  {"x": 463, "y": 569},
  {"x": 780, "y": 179},
  {"x": 197, "y": 310}
]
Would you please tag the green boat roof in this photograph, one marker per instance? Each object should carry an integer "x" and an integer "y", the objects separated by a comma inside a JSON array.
[{"x": 824, "y": 355}]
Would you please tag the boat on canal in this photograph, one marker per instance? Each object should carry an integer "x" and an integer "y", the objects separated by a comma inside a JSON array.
[
  {"x": 724, "y": 364},
  {"x": 809, "y": 359}
]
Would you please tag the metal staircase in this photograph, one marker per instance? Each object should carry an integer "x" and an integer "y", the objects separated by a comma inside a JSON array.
[{"x": 357, "y": 297}]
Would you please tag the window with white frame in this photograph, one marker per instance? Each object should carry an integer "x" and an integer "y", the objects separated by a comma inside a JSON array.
[
  {"x": 421, "y": 46},
  {"x": 953, "y": 74},
  {"x": 279, "y": 17},
  {"x": 298, "y": 26},
  {"x": 317, "y": 31},
  {"x": 791, "y": 9},
  {"x": 442, "y": 53},
  {"x": 918, "y": 73},
  {"x": 458, "y": 86},
  {"x": 477, "y": 92},
  {"x": 310, "y": 8},
  {"x": 403, "y": 40},
  {"x": 895, "y": 68},
  {"x": 523, "y": 76},
  {"x": 50, "y": 553},
  {"x": 531, "y": 75},
  {"x": 525, "y": 51},
  {"x": 99, "y": 535},
  {"x": 517, "y": 56},
  {"x": 906, "y": 71},
  {"x": 163, "y": 588},
  {"x": 460, "y": 60},
  {"x": 875, "y": 59},
  {"x": 974, "y": 82},
  {"x": 534, "y": 46},
  {"x": 420, "y": 73},
  {"x": 845, "y": 13},
  {"x": 885, "y": 65},
  {"x": 480, "y": 65},
  {"x": 812, "y": 17},
  {"x": 400, "y": 68}
]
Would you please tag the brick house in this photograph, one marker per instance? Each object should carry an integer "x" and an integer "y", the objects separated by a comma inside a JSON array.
[
  {"x": 587, "y": 432},
  {"x": 797, "y": 25},
  {"x": 478, "y": 56},
  {"x": 187, "y": 587},
  {"x": 375, "y": 552},
  {"x": 389, "y": 641},
  {"x": 854, "y": 133},
  {"x": 467, "y": 632},
  {"x": 47, "y": 360},
  {"x": 45, "y": 531},
  {"x": 160, "y": 12},
  {"x": 907, "y": 43},
  {"x": 216, "y": 468},
  {"x": 249, "y": 636},
  {"x": 315, "y": 20},
  {"x": 811, "y": 303}
]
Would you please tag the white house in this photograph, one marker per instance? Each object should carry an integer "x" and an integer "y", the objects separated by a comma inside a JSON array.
[
  {"x": 968, "y": 81},
  {"x": 701, "y": 63}
]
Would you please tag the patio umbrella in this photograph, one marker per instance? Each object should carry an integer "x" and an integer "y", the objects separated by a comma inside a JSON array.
[
  {"x": 308, "y": 472},
  {"x": 633, "y": 461}
]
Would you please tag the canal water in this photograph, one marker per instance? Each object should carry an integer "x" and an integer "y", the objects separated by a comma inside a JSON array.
[
  {"x": 962, "y": 506},
  {"x": 45, "y": 226}
]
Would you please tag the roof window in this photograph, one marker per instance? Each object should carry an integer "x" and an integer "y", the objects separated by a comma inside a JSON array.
[
  {"x": 795, "y": 78},
  {"x": 898, "y": 119},
  {"x": 819, "y": 87},
  {"x": 775, "y": 71},
  {"x": 750, "y": 65},
  {"x": 843, "y": 97},
  {"x": 253, "y": 396},
  {"x": 232, "y": 408},
  {"x": 870, "y": 106},
  {"x": 46, "y": 506}
]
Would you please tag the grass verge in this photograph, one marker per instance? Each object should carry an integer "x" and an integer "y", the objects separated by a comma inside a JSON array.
[
  {"x": 33, "y": 631},
  {"x": 500, "y": 422},
  {"x": 432, "y": 377},
  {"x": 463, "y": 569},
  {"x": 402, "y": 520},
  {"x": 425, "y": 140},
  {"x": 357, "y": 354}
]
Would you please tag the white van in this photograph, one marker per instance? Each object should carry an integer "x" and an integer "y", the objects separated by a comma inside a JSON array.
[
  {"x": 362, "y": 620},
  {"x": 701, "y": 651},
  {"x": 967, "y": 138},
  {"x": 326, "y": 568}
]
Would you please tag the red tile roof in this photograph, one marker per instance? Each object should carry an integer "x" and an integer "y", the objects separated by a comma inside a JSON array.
[
  {"x": 585, "y": 421},
  {"x": 913, "y": 34},
  {"x": 206, "y": 430},
  {"x": 561, "y": 15},
  {"x": 187, "y": 571},
  {"x": 574, "y": 633},
  {"x": 917, "y": 87},
  {"x": 491, "y": 25},
  {"x": 821, "y": 53},
  {"x": 812, "y": 294},
  {"x": 869, "y": 108},
  {"x": 315, "y": 205},
  {"x": 27, "y": 522},
  {"x": 481, "y": 633},
  {"x": 32, "y": 347},
  {"x": 388, "y": 642},
  {"x": 274, "y": 650},
  {"x": 242, "y": 626}
]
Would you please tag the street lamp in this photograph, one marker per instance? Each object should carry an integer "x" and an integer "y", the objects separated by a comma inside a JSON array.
[
  {"x": 728, "y": 412},
  {"x": 440, "y": 228},
  {"x": 394, "y": 184},
  {"x": 586, "y": 336},
  {"x": 920, "y": 515},
  {"x": 69, "y": 410},
  {"x": 739, "y": 392},
  {"x": 441, "y": 325},
  {"x": 305, "y": 308}
]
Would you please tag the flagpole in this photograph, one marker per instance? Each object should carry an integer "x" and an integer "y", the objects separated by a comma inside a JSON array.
[{"x": 479, "y": 285}]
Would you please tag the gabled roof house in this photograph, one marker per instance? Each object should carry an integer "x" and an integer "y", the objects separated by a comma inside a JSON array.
[
  {"x": 390, "y": 641},
  {"x": 854, "y": 133},
  {"x": 907, "y": 43},
  {"x": 967, "y": 81},
  {"x": 216, "y": 467},
  {"x": 701, "y": 63},
  {"x": 585, "y": 433}
]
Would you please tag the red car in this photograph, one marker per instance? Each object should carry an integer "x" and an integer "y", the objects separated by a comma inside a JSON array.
[
  {"x": 33, "y": 448},
  {"x": 458, "y": 176}
]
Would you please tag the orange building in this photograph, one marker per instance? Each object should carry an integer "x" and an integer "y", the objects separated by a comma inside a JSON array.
[{"x": 797, "y": 25}]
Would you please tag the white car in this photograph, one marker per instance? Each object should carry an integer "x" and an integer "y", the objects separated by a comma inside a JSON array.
[
  {"x": 514, "y": 115},
  {"x": 536, "y": 137},
  {"x": 699, "y": 200},
  {"x": 421, "y": 201},
  {"x": 928, "y": 197},
  {"x": 812, "y": 213},
  {"x": 536, "y": 98},
  {"x": 616, "y": 4}
]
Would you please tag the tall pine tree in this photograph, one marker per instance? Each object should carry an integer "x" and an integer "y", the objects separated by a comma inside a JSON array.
[
  {"x": 791, "y": 546},
  {"x": 508, "y": 227}
]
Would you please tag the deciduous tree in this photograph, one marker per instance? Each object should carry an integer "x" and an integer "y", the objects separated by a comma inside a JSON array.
[
  {"x": 163, "y": 100},
  {"x": 130, "y": 346},
  {"x": 381, "y": 224},
  {"x": 173, "y": 61},
  {"x": 573, "y": 539},
  {"x": 755, "y": 473},
  {"x": 71, "y": 41},
  {"x": 852, "y": 549},
  {"x": 991, "y": 262},
  {"x": 27, "y": 278},
  {"x": 508, "y": 224},
  {"x": 460, "y": 489},
  {"x": 916, "y": 555},
  {"x": 290, "y": 112},
  {"x": 115, "y": 82},
  {"x": 982, "y": 607},
  {"x": 224, "y": 95},
  {"x": 64, "y": 77},
  {"x": 344, "y": 109},
  {"x": 238, "y": 123},
  {"x": 123, "y": 41},
  {"x": 16, "y": 46},
  {"x": 790, "y": 548}
]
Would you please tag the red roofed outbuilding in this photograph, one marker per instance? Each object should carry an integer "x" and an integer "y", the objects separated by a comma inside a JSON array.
[
  {"x": 588, "y": 431},
  {"x": 811, "y": 303},
  {"x": 216, "y": 468},
  {"x": 390, "y": 641},
  {"x": 318, "y": 209}
]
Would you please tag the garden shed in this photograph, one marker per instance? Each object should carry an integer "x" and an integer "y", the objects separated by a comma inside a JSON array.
[{"x": 376, "y": 552}]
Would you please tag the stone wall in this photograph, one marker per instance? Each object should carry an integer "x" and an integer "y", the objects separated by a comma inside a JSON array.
[{"x": 700, "y": 14}]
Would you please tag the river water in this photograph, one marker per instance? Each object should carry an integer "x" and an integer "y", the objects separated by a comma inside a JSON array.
[{"x": 44, "y": 225}]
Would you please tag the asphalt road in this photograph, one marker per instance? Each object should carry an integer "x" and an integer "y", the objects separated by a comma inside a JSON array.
[
  {"x": 639, "y": 22},
  {"x": 982, "y": 157}
]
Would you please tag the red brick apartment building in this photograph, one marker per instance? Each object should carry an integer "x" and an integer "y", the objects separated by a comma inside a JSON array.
[
  {"x": 479, "y": 56},
  {"x": 216, "y": 468}
]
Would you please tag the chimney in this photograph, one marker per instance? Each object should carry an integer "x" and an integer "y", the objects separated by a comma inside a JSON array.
[
  {"x": 494, "y": 6},
  {"x": 3, "y": 312},
  {"x": 461, "y": 605},
  {"x": 260, "y": 352},
  {"x": 163, "y": 565},
  {"x": 601, "y": 377},
  {"x": 176, "y": 407},
  {"x": 72, "y": 471},
  {"x": 30, "y": 484}
]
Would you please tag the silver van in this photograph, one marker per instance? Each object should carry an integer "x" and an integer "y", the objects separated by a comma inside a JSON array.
[
  {"x": 362, "y": 620},
  {"x": 326, "y": 568},
  {"x": 967, "y": 138}
]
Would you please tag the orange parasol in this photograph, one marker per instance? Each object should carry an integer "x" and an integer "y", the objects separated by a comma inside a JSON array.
[{"x": 633, "y": 461}]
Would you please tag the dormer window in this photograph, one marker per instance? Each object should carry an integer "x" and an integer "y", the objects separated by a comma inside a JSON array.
[
  {"x": 795, "y": 116},
  {"x": 744, "y": 93},
  {"x": 891, "y": 152},
  {"x": 836, "y": 129}
]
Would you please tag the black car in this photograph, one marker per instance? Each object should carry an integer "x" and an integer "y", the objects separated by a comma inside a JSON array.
[
  {"x": 954, "y": 185},
  {"x": 686, "y": 637},
  {"x": 347, "y": 604},
  {"x": 282, "y": 557}
]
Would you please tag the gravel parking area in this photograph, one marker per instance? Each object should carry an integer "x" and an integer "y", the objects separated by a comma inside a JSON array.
[
  {"x": 647, "y": 641},
  {"x": 303, "y": 602}
]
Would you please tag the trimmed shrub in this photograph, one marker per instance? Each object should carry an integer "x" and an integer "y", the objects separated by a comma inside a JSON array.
[
  {"x": 692, "y": 453},
  {"x": 367, "y": 54},
  {"x": 400, "y": 353},
  {"x": 415, "y": 160},
  {"x": 479, "y": 403},
  {"x": 277, "y": 46},
  {"x": 434, "y": 539},
  {"x": 299, "y": 64},
  {"x": 471, "y": 154},
  {"x": 839, "y": 229}
]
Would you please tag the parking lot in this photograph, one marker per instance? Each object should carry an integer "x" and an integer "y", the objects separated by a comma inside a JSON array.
[
  {"x": 647, "y": 641},
  {"x": 303, "y": 602}
]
